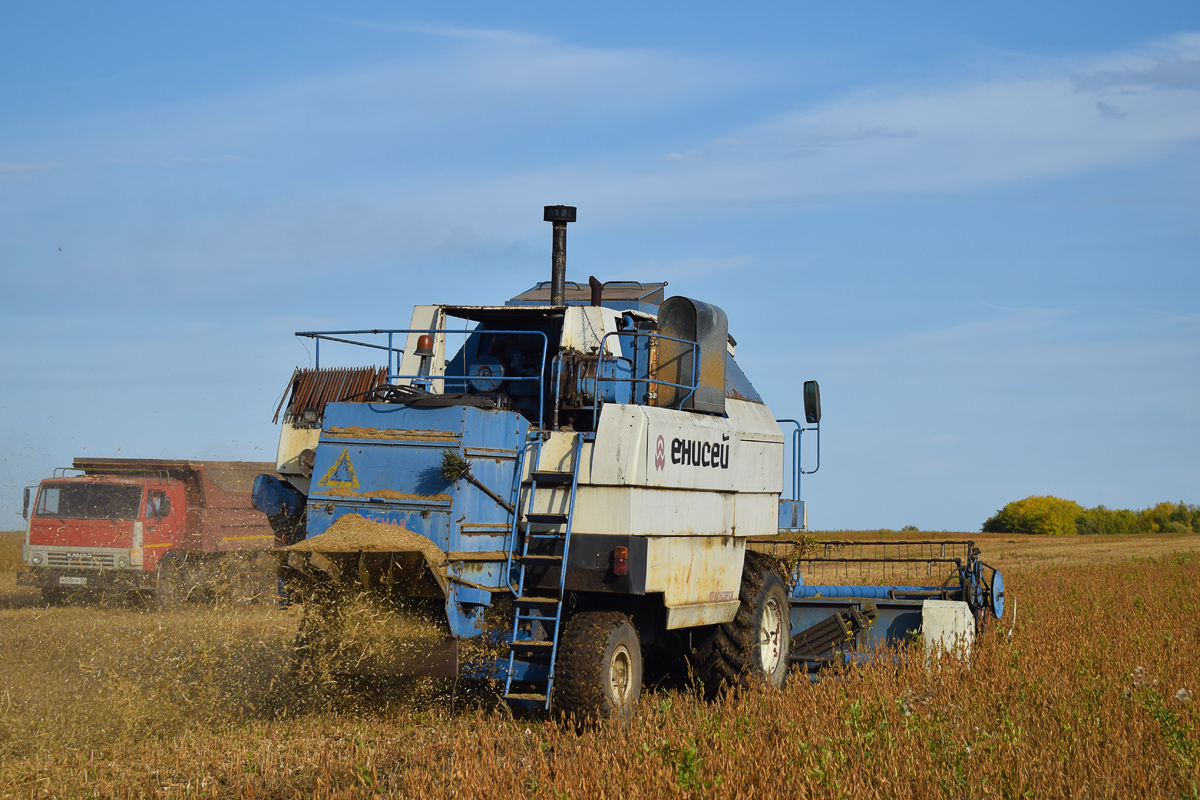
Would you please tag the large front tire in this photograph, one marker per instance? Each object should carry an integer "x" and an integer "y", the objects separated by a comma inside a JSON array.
[
  {"x": 755, "y": 646},
  {"x": 599, "y": 666}
]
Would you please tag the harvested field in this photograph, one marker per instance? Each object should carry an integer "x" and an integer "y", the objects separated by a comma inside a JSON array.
[{"x": 1088, "y": 693}]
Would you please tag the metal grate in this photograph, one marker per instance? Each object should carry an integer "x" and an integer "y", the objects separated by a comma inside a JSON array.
[
  {"x": 879, "y": 563},
  {"x": 313, "y": 388},
  {"x": 81, "y": 560}
]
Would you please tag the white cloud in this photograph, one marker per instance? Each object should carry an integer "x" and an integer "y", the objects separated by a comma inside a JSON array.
[
  {"x": 894, "y": 139},
  {"x": 365, "y": 162},
  {"x": 17, "y": 168},
  {"x": 453, "y": 32}
]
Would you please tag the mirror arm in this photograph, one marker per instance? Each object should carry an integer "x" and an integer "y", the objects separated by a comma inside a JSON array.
[{"x": 816, "y": 428}]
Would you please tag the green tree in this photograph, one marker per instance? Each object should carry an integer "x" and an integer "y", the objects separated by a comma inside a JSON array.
[
  {"x": 1047, "y": 516},
  {"x": 1101, "y": 521},
  {"x": 1168, "y": 518}
]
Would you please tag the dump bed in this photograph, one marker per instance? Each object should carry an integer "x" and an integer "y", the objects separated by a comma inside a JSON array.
[{"x": 220, "y": 515}]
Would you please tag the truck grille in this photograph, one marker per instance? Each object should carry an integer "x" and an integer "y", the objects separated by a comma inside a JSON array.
[{"x": 84, "y": 560}]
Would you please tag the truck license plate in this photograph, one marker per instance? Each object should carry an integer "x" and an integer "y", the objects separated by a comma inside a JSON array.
[{"x": 72, "y": 581}]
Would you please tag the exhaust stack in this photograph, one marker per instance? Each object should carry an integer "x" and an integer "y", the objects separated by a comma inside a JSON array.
[{"x": 560, "y": 216}]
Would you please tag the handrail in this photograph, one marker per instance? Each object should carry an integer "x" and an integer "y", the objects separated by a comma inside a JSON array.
[
  {"x": 60, "y": 473},
  {"x": 634, "y": 378},
  {"x": 797, "y": 462},
  {"x": 332, "y": 336}
]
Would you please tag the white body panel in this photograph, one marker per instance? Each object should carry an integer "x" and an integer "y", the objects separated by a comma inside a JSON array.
[
  {"x": 694, "y": 485},
  {"x": 628, "y": 485},
  {"x": 584, "y": 327},
  {"x": 292, "y": 442},
  {"x": 946, "y": 627},
  {"x": 424, "y": 318}
]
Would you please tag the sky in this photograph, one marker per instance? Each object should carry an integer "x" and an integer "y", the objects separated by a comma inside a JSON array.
[{"x": 977, "y": 227}]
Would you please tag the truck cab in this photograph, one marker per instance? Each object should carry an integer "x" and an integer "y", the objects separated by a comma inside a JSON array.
[
  {"x": 118, "y": 525},
  {"x": 100, "y": 533}
]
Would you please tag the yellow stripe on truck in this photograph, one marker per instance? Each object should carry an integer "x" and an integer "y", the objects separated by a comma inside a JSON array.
[{"x": 247, "y": 538}]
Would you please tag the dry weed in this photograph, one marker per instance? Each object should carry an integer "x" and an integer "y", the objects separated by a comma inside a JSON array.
[{"x": 1088, "y": 694}]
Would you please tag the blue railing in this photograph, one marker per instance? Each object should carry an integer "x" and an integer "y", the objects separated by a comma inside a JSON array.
[
  {"x": 797, "y": 462},
  {"x": 634, "y": 378},
  {"x": 394, "y": 374}
]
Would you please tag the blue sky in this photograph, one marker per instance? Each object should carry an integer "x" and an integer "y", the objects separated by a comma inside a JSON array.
[{"x": 977, "y": 227}]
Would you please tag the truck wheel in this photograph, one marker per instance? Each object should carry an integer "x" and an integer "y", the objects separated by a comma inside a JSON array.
[
  {"x": 599, "y": 666},
  {"x": 169, "y": 591},
  {"x": 755, "y": 646},
  {"x": 316, "y": 648}
]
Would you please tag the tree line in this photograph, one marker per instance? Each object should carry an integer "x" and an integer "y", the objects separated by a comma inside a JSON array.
[{"x": 1054, "y": 516}]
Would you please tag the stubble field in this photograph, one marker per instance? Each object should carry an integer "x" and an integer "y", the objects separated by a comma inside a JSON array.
[{"x": 1087, "y": 693}]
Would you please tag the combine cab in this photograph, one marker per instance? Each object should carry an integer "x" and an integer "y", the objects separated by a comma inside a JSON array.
[{"x": 551, "y": 487}]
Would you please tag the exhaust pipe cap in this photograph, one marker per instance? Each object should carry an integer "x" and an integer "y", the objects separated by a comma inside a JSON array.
[{"x": 558, "y": 214}]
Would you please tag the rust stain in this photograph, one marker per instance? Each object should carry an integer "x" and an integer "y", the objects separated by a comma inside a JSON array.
[
  {"x": 387, "y": 494},
  {"x": 696, "y": 567},
  {"x": 482, "y": 555},
  {"x": 356, "y": 432}
]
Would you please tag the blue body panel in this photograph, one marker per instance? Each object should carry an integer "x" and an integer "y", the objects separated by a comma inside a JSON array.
[
  {"x": 274, "y": 497},
  {"x": 392, "y": 475},
  {"x": 399, "y": 481}
]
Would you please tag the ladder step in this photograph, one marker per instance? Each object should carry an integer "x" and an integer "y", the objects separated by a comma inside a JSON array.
[
  {"x": 530, "y": 646},
  {"x": 526, "y": 700},
  {"x": 547, "y": 519},
  {"x": 537, "y": 602},
  {"x": 546, "y": 561},
  {"x": 552, "y": 478}
]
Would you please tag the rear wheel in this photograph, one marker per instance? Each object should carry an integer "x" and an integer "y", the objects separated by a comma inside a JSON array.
[
  {"x": 599, "y": 666},
  {"x": 169, "y": 589},
  {"x": 755, "y": 645}
]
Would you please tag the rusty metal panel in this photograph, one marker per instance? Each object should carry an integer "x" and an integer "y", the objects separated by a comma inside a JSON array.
[
  {"x": 695, "y": 569},
  {"x": 695, "y": 614},
  {"x": 707, "y": 326},
  {"x": 314, "y": 388}
]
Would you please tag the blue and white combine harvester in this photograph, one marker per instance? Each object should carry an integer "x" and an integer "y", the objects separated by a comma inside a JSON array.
[{"x": 587, "y": 479}]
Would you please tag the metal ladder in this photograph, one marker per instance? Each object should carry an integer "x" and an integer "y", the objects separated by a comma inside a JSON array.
[{"x": 533, "y": 645}]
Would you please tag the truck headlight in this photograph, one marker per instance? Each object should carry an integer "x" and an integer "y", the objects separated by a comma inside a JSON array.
[
  {"x": 122, "y": 562},
  {"x": 35, "y": 558}
]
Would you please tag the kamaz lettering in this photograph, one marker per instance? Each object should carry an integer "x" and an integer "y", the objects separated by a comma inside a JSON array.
[{"x": 694, "y": 453}]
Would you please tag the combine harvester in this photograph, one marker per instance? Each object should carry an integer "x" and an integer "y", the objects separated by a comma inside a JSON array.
[{"x": 587, "y": 478}]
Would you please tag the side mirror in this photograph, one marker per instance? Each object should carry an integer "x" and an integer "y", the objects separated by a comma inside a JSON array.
[
  {"x": 25, "y": 508},
  {"x": 812, "y": 402}
]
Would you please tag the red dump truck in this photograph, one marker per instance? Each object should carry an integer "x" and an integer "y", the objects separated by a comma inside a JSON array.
[{"x": 163, "y": 529}]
